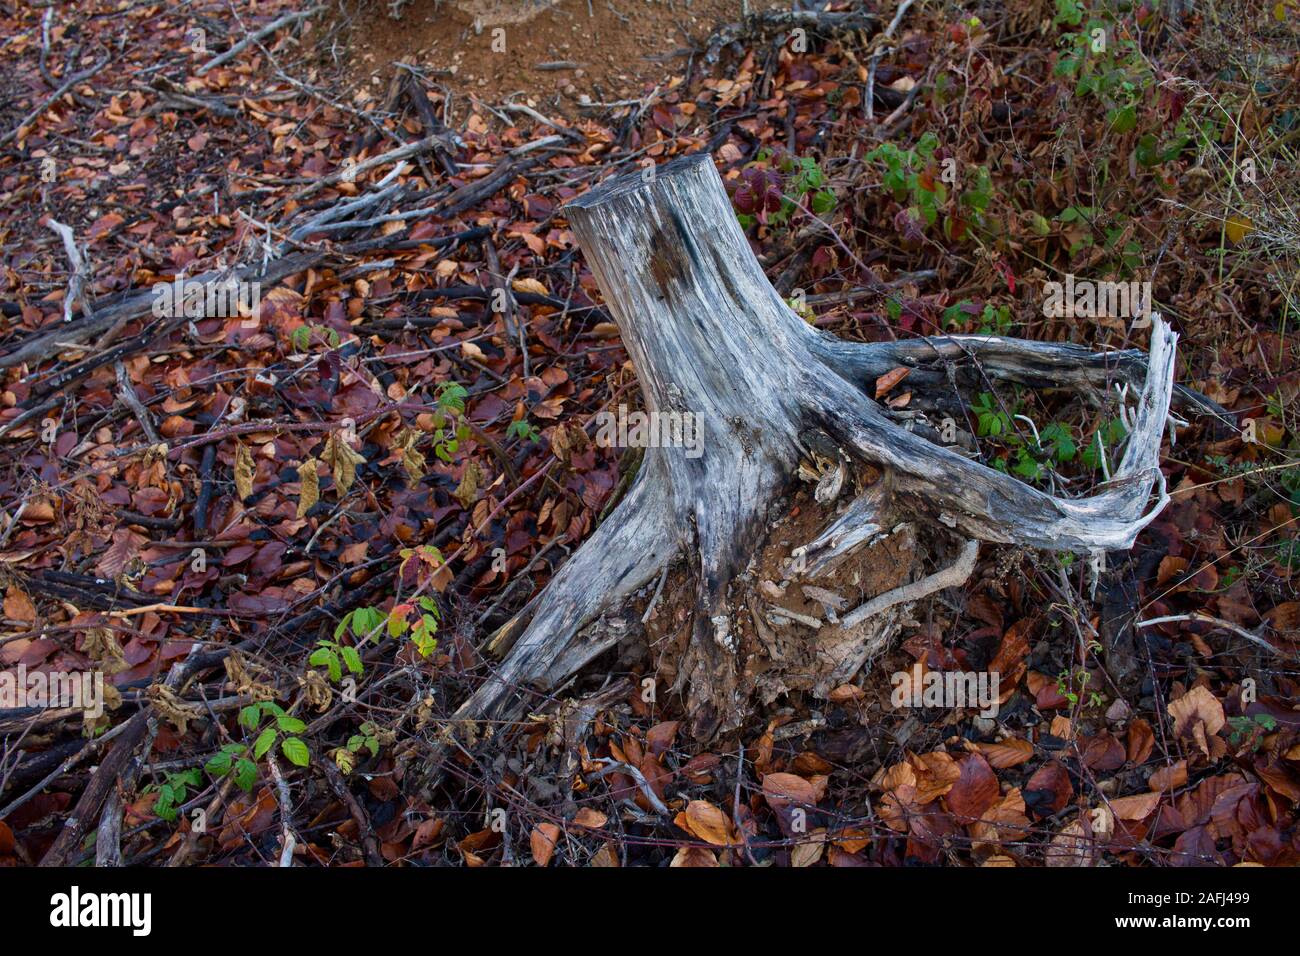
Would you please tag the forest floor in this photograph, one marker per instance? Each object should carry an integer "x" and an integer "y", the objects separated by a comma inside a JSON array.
[{"x": 286, "y": 535}]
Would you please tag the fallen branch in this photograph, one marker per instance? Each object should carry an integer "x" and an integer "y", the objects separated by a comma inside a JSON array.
[{"x": 256, "y": 36}]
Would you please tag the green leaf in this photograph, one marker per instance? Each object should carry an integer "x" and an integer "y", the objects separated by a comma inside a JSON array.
[
  {"x": 1124, "y": 120},
  {"x": 245, "y": 774},
  {"x": 291, "y": 725},
  {"x": 263, "y": 743},
  {"x": 250, "y": 716},
  {"x": 296, "y": 751},
  {"x": 219, "y": 764},
  {"x": 352, "y": 659}
]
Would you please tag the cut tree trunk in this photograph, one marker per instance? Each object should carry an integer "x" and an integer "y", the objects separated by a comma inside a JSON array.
[{"x": 708, "y": 335}]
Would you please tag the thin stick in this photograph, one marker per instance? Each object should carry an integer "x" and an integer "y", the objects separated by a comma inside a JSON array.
[
  {"x": 1217, "y": 622},
  {"x": 950, "y": 577},
  {"x": 254, "y": 37}
]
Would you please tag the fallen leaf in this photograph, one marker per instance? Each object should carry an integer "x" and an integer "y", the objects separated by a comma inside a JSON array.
[
  {"x": 309, "y": 490},
  {"x": 1007, "y": 753},
  {"x": 705, "y": 821},
  {"x": 543, "y": 840},
  {"x": 244, "y": 471},
  {"x": 891, "y": 378},
  {"x": 342, "y": 461},
  {"x": 587, "y": 817}
]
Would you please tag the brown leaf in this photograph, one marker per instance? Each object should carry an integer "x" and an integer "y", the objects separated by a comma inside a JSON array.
[
  {"x": 694, "y": 856},
  {"x": 605, "y": 856},
  {"x": 936, "y": 773},
  {"x": 1197, "y": 706},
  {"x": 809, "y": 851},
  {"x": 705, "y": 821},
  {"x": 1169, "y": 778},
  {"x": 974, "y": 791},
  {"x": 244, "y": 471},
  {"x": 1013, "y": 649},
  {"x": 1049, "y": 789},
  {"x": 891, "y": 378},
  {"x": 125, "y": 546},
  {"x": 845, "y": 693},
  {"x": 1141, "y": 741},
  {"x": 1137, "y": 807},
  {"x": 309, "y": 490},
  {"x": 342, "y": 461},
  {"x": 18, "y": 606},
  {"x": 1007, "y": 753},
  {"x": 587, "y": 817},
  {"x": 467, "y": 491},
  {"x": 543, "y": 840},
  {"x": 659, "y": 738},
  {"x": 1073, "y": 846},
  {"x": 790, "y": 798}
]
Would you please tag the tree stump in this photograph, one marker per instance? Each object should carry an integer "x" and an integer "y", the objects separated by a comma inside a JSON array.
[{"x": 709, "y": 335}]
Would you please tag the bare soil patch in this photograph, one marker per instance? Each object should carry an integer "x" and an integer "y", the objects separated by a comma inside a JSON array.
[{"x": 605, "y": 50}]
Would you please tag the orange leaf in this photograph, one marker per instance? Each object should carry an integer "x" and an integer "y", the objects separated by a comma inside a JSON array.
[
  {"x": 1007, "y": 753},
  {"x": 1137, "y": 807},
  {"x": 587, "y": 817},
  {"x": 890, "y": 379},
  {"x": 543, "y": 840},
  {"x": 705, "y": 821}
]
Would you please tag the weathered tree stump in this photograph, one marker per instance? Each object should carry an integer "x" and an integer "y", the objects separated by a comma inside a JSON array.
[{"x": 709, "y": 335}]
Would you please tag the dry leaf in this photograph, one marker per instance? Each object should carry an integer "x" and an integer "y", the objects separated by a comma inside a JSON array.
[
  {"x": 705, "y": 821},
  {"x": 527, "y": 284},
  {"x": 18, "y": 606},
  {"x": 587, "y": 817},
  {"x": 1007, "y": 753},
  {"x": 1197, "y": 714},
  {"x": 467, "y": 491},
  {"x": 244, "y": 471},
  {"x": 809, "y": 852},
  {"x": 342, "y": 461},
  {"x": 543, "y": 840},
  {"x": 694, "y": 856},
  {"x": 1137, "y": 807},
  {"x": 309, "y": 491},
  {"x": 891, "y": 378}
]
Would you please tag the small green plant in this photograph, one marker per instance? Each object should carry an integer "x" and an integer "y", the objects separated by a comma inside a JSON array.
[
  {"x": 524, "y": 431},
  {"x": 231, "y": 759},
  {"x": 346, "y": 757},
  {"x": 776, "y": 185},
  {"x": 364, "y": 622},
  {"x": 174, "y": 791},
  {"x": 1250, "y": 730},
  {"x": 910, "y": 180},
  {"x": 422, "y": 629},
  {"x": 302, "y": 336},
  {"x": 1067, "y": 680},
  {"x": 333, "y": 656},
  {"x": 994, "y": 320},
  {"x": 991, "y": 421},
  {"x": 1106, "y": 437},
  {"x": 293, "y": 749},
  {"x": 449, "y": 425}
]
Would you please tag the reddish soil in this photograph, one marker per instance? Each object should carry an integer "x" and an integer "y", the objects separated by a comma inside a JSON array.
[{"x": 611, "y": 50}]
